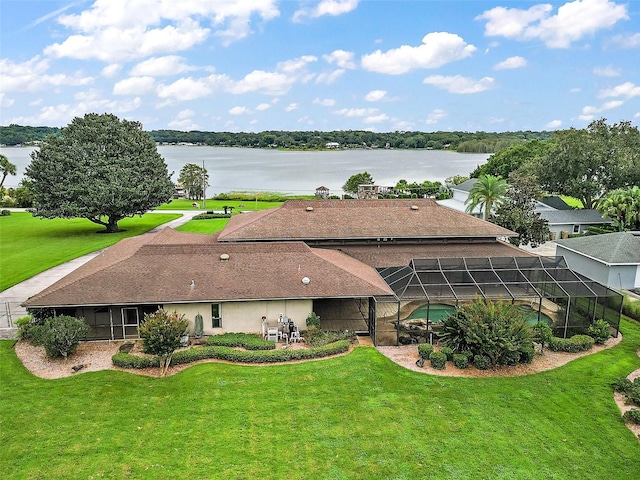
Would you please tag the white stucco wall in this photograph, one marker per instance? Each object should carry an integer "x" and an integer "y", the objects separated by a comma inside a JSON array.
[
  {"x": 614, "y": 276},
  {"x": 244, "y": 317}
]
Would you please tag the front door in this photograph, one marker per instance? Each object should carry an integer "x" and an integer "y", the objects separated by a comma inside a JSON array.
[{"x": 130, "y": 322}]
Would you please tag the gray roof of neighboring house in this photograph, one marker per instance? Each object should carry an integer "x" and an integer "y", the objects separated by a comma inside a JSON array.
[
  {"x": 611, "y": 248},
  {"x": 583, "y": 216},
  {"x": 466, "y": 186}
]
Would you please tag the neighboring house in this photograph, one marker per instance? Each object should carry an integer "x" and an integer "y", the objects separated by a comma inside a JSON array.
[
  {"x": 322, "y": 192},
  {"x": 459, "y": 195},
  {"x": 179, "y": 191},
  {"x": 322, "y": 256},
  {"x": 563, "y": 223},
  {"x": 612, "y": 259}
]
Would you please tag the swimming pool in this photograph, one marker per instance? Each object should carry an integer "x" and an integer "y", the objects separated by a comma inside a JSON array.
[{"x": 438, "y": 311}]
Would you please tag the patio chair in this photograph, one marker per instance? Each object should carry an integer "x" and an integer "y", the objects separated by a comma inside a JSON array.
[
  {"x": 272, "y": 333},
  {"x": 295, "y": 335}
]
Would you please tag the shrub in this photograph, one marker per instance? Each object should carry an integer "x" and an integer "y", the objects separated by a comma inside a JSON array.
[
  {"x": 313, "y": 320},
  {"x": 60, "y": 336},
  {"x": 5, "y": 213},
  {"x": 631, "y": 308},
  {"x": 629, "y": 389},
  {"x": 481, "y": 362},
  {"x": 250, "y": 341},
  {"x": 317, "y": 338},
  {"x": 126, "y": 360},
  {"x": 511, "y": 358},
  {"x": 448, "y": 352},
  {"x": 161, "y": 333},
  {"x": 460, "y": 360},
  {"x": 25, "y": 328},
  {"x": 527, "y": 354},
  {"x": 211, "y": 216},
  {"x": 438, "y": 360},
  {"x": 599, "y": 331},
  {"x": 632, "y": 416},
  {"x": 577, "y": 343},
  {"x": 425, "y": 350},
  {"x": 542, "y": 334}
]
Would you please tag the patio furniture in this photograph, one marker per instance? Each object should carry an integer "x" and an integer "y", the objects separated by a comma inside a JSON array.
[
  {"x": 272, "y": 333},
  {"x": 295, "y": 335}
]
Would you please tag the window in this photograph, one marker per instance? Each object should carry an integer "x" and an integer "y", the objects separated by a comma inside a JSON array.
[
  {"x": 576, "y": 229},
  {"x": 216, "y": 317}
]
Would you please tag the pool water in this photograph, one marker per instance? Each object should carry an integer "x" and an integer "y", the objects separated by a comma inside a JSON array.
[
  {"x": 438, "y": 311},
  {"x": 532, "y": 316}
]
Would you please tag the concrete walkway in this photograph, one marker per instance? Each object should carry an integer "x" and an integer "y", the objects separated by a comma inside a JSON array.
[{"x": 11, "y": 298}]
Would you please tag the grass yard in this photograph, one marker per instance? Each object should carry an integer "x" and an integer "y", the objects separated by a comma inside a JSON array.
[
  {"x": 185, "y": 204},
  {"x": 358, "y": 416},
  {"x": 31, "y": 245},
  {"x": 204, "y": 226}
]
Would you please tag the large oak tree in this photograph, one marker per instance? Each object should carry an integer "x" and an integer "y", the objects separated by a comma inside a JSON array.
[{"x": 100, "y": 168}]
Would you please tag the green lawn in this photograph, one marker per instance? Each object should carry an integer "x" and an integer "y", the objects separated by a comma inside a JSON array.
[
  {"x": 358, "y": 416},
  {"x": 184, "y": 204},
  {"x": 204, "y": 226},
  {"x": 31, "y": 245}
]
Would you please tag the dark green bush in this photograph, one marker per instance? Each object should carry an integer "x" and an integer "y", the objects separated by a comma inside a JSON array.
[
  {"x": 527, "y": 355},
  {"x": 599, "y": 331},
  {"x": 317, "y": 338},
  {"x": 250, "y": 341},
  {"x": 425, "y": 350},
  {"x": 126, "y": 360},
  {"x": 629, "y": 389},
  {"x": 460, "y": 360},
  {"x": 211, "y": 216},
  {"x": 60, "y": 336},
  {"x": 25, "y": 328},
  {"x": 448, "y": 352},
  {"x": 577, "y": 343},
  {"x": 622, "y": 385},
  {"x": 5, "y": 213},
  {"x": 481, "y": 362},
  {"x": 511, "y": 358},
  {"x": 438, "y": 360},
  {"x": 313, "y": 320},
  {"x": 632, "y": 416}
]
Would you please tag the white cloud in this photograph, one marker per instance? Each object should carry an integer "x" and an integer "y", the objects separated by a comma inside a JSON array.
[
  {"x": 129, "y": 29},
  {"x": 341, "y": 58},
  {"x": 183, "y": 121},
  {"x": 435, "y": 116},
  {"x": 589, "y": 112},
  {"x": 161, "y": 66},
  {"x": 356, "y": 112},
  {"x": 326, "y": 7},
  {"x": 32, "y": 76},
  {"x": 291, "y": 107},
  {"x": 190, "y": 89},
  {"x": 263, "y": 106},
  {"x": 325, "y": 102},
  {"x": 437, "y": 49},
  {"x": 511, "y": 63},
  {"x": 134, "y": 86},
  {"x": 271, "y": 83},
  {"x": 239, "y": 111},
  {"x": 607, "y": 71},
  {"x": 375, "y": 95},
  {"x": 553, "y": 124},
  {"x": 459, "y": 84},
  {"x": 631, "y": 40},
  {"x": 626, "y": 89},
  {"x": 111, "y": 70},
  {"x": 572, "y": 22},
  {"x": 5, "y": 102},
  {"x": 575, "y": 90},
  {"x": 376, "y": 118},
  {"x": 329, "y": 77}
]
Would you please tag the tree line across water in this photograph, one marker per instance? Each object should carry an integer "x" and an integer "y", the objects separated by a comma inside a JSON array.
[{"x": 468, "y": 142}]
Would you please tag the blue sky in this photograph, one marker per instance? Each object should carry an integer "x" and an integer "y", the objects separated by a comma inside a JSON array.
[{"x": 254, "y": 65}]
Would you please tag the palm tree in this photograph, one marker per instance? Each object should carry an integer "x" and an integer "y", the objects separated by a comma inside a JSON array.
[
  {"x": 622, "y": 205},
  {"x": 487, "y": 192},
  {"x": 6, "y": 168}
]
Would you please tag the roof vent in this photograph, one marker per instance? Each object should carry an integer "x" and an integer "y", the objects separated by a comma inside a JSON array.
[
  {"x": 306, "y": 280},
  {"x": 414, "y": 207},
  {"x": 224, "y": 257},
  {"x": 309, "y": 209}
]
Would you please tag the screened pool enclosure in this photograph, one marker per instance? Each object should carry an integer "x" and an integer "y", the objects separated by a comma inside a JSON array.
[{"x": 544, "y": 287}]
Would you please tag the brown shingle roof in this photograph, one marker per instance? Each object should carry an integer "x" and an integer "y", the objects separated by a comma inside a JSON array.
[
  {"x": 357, "y": 219},
  {"x": 159, "y": 268}
]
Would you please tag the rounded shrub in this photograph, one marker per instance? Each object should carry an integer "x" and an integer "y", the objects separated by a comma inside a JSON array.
[
  {"x": 632, "y": 416},
  {"x": 448, "y": 352},
  {"x": 511, "y": 358},
  {"x": 438, "y": 360},
  {"x": 60, "y": 336},
  {"x": 481, "y": 362},
  {"x": 599, "y": 331},
  {"x": 527, "y": 355},
  {"x": 425, "y": 350},
  {"x": 460, "y": 360}
]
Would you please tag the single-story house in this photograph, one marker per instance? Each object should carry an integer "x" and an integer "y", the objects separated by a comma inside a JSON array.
[
  {"x": 322, "y": 256},
  {"x": 563, "y": 223},
  {"x": 612, "y": 259}
]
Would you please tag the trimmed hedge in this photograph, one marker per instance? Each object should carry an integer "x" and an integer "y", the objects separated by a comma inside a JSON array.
[
  {"x": 438, "y": 360},
  {"x": 448, "y": 352},
  {"x": 230, "y": 354},
  {"x": 527, "y": 355},
  {"x": 460, "y": 360},
  {"x": 632, "y": 416},
  {"x": 511, "y": 358},
  {"x": 481, "y": 362},
  {"x": 577, "y": 343},
  {"x": 211, "y": 216},
  {"x": 425, "y": 350},
  {"x": 126, "y": 360},
  {"x": 250, "y": 341}
]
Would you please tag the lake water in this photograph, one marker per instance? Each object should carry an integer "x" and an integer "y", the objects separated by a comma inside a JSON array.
[{"x": 250, "y": 169}]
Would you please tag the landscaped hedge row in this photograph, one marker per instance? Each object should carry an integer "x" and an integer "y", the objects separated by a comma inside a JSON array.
[
  {"x": 631, "y": 308},
  {"x": 211, "y": 216},
  {"x": 577, "y": 343},
  {"x": 125, "y": 360},
  {"x": 244, "y": 340}
]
